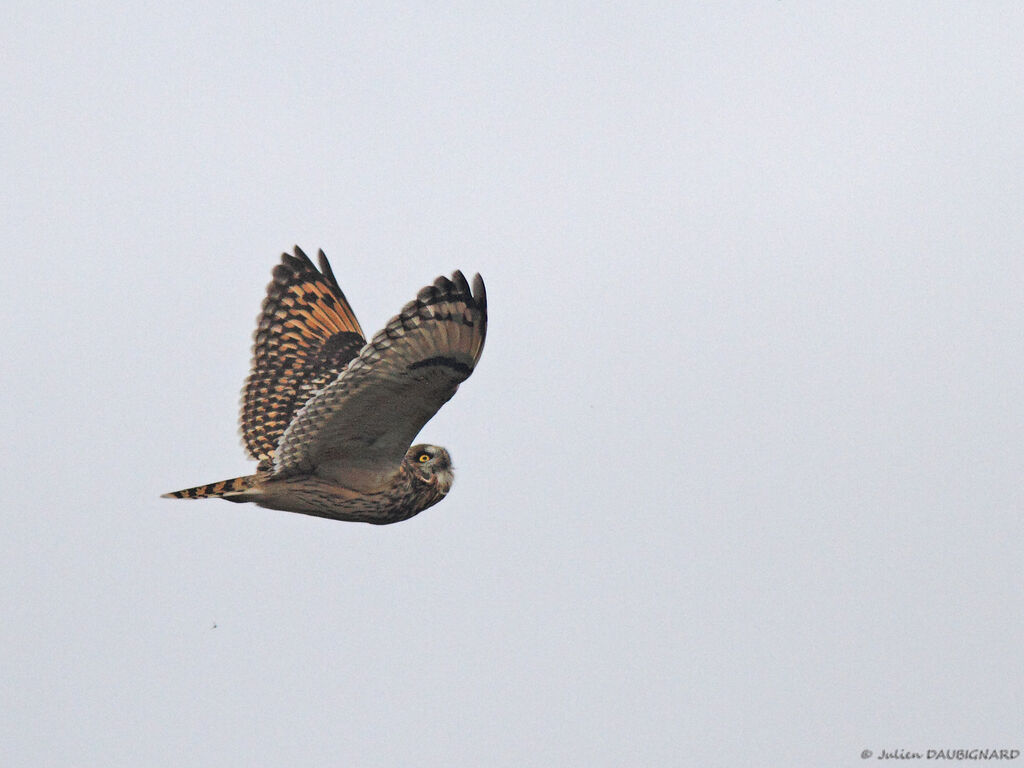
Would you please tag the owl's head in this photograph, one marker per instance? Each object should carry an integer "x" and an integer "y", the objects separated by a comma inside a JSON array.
[{"x": 431, "y": 461}]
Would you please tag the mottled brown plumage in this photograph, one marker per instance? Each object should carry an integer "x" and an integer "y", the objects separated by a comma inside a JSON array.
[
  {"x": 330, "y": 418},
  {"x": 305, "y": 336}
]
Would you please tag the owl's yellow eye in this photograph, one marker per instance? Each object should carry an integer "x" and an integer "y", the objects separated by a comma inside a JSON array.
[{"x": 423, "y": 458}]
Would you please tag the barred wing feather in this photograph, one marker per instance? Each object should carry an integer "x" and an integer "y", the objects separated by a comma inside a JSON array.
[{"x": 306, "y": 334}]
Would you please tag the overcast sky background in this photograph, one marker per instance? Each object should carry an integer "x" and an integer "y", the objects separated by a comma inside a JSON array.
[{"x": 740, "y": 474}]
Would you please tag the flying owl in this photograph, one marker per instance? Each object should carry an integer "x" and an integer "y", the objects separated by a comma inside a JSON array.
[{"x": 330, "y": 417}]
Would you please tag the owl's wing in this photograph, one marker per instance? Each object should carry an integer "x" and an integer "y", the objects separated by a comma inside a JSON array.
[
  {"x": 306, "y": 334},
  {"x": 357, "y": 430}
]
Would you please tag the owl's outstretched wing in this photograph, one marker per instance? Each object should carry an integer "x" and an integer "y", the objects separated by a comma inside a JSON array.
[
  {"x": 306, "y": 334},
  {"x": 357, "y": 429}
]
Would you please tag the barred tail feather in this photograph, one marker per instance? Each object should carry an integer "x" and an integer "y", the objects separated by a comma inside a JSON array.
[{"x": 224, "y": 489}]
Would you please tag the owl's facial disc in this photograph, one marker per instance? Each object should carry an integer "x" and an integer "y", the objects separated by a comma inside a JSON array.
[{"x": 430, "y": 459}]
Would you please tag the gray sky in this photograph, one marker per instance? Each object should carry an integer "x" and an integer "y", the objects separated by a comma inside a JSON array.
[{"x": 739, "y": 474}]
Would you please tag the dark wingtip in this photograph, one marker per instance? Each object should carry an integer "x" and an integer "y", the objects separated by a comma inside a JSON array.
[
  {"x": 325, "y": 268},
  {"x": 427, "y": 294},
  {"x": 479, "y": 291},
  {"x": 443, "y": 284},
  {"x": 461, "y": 285},
  {"x": 294, "y": 262},
  {"x": 281, "y": 272}
]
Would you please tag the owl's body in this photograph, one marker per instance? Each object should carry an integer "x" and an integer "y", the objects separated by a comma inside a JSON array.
[
  {"x": 406, "y": 493},
  {"x": 330, "y": 417}
]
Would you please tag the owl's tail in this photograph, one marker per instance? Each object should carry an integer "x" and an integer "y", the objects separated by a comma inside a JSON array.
[{"x": 226, "y": 489}]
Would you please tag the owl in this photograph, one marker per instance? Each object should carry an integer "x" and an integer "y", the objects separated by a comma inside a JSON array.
[{"x": 330, "y": 417}]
